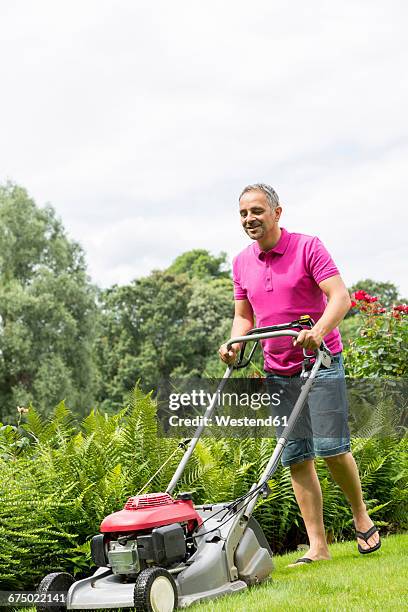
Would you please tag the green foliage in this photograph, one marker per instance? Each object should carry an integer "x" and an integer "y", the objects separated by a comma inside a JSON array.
[
  {"x": 380, "y": 346},
  {"x": 199, "y": 263},
  {"x": 59, "y": 478},
  {"x": 349, "y": 329},
  {"x": 46, "y": 309},
  {"x": 55, "y": 489},
  {"x": 159, "y": 326}
]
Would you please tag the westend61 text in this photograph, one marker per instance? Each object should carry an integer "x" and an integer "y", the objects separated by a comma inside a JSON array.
[{"x": 227, "y": 421}]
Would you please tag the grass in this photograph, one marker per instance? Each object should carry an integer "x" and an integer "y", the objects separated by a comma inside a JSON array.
[{"x": 349, "y": 581}]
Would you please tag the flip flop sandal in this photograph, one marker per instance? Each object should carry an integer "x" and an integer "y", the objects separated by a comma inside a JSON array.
[
  {"x": 365, "y": 535},
  {"x": 301, "y": 561}
]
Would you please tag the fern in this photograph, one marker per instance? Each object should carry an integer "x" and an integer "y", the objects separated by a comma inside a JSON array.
[{"x": 59, "y": 478}]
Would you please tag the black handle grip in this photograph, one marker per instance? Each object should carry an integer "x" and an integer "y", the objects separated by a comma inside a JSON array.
[{"x": 304, "y": 322}]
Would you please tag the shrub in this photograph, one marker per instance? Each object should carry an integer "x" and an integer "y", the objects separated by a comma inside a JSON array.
[{"x": 381, "y": 346}]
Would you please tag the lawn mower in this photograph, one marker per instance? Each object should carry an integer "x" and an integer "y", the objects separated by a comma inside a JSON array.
[{"x": 161, "y": 552}]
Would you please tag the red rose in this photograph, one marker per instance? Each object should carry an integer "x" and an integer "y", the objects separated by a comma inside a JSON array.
[{"x": 361, "y": 295}]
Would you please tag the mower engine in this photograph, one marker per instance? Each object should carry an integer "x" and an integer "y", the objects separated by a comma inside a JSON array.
[{"x": 152, "y": 530}]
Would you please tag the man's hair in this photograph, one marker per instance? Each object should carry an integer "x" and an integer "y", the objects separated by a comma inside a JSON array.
[{"x": 271, "y": 195}]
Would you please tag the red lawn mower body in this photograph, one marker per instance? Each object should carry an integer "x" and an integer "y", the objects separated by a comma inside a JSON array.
[{"x": 145, "y": 512}]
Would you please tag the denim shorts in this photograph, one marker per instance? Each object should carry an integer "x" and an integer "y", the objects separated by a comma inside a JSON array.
[{"x": 322, "y": 428}]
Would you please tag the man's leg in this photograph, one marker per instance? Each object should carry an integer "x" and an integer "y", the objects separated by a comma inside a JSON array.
[
  {"x": 299, "y": 456},
  {"x": 344, "y": 470},
  {"x": 308, "y": 494}
]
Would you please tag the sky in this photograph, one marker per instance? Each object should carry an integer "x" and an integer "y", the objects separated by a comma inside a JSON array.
[{"x": 141, "y": 122}]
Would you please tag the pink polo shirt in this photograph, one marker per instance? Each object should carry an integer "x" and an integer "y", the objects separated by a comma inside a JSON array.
[{"x": 281, "y": 285}]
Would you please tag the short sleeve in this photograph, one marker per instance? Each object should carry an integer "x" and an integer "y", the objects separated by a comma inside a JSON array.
[
  {"x": 239, "y": 292},
  {"x": 320, "y": 264}
]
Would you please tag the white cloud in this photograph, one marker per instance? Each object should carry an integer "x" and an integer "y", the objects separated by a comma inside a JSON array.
[{"x": 140, "y": 123}]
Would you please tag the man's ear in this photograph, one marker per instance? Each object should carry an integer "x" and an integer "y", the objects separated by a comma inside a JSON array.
[{"x": 278, "y": 212}]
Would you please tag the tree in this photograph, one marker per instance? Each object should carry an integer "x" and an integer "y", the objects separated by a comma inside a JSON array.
[
  {"x": 199, "y": 263},
  {"x": 117, "y": 344},
  {"x": 164, "y": 325},
  {"x": 140, "y": 334},
  {"x": 47, "y": 309},
  {"x": 210, "y": 314}
]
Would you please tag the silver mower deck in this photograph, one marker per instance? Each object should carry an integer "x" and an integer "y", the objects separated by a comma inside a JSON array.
[{"x": 208, "y": 566}]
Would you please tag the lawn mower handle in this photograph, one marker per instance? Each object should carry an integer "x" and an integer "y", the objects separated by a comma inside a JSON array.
[{"x": 255, "y": 335}]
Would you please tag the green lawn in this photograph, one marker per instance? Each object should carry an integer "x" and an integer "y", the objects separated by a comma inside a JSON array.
[{"x": 349, "y": 581}]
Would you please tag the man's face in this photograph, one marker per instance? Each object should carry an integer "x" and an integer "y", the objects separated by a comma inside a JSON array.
[{"x": 257, "y": 217}]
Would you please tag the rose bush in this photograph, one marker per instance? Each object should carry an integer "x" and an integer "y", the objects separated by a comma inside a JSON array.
[{"x": 381, "y": 345}]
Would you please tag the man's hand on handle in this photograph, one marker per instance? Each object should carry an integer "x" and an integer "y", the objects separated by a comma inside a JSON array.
[
  {"x": 309, "y": 339},
  {"x": 228, "y": 356}
]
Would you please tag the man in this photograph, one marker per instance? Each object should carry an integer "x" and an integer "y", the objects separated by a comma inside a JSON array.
[{"x": 278, "y": 278}]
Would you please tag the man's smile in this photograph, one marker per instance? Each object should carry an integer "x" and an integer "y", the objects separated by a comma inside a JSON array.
[{"x": 253, "y": 228}]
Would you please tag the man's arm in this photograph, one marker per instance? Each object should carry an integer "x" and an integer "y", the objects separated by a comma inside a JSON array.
[
  {"x": 337, "y": 307},
  {"x": 242, "y": 323}
]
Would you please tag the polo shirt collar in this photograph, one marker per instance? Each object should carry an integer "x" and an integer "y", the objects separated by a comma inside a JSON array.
[{"x": 279, "y": 248}]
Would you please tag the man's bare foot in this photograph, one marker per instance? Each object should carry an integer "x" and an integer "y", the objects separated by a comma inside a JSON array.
[{"x": 362, "y": 522}]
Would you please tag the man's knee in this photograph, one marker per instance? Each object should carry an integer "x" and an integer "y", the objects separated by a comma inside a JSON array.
[
  {"x": 302, "y": 466},
  {"x": 337, "y": 459}
]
